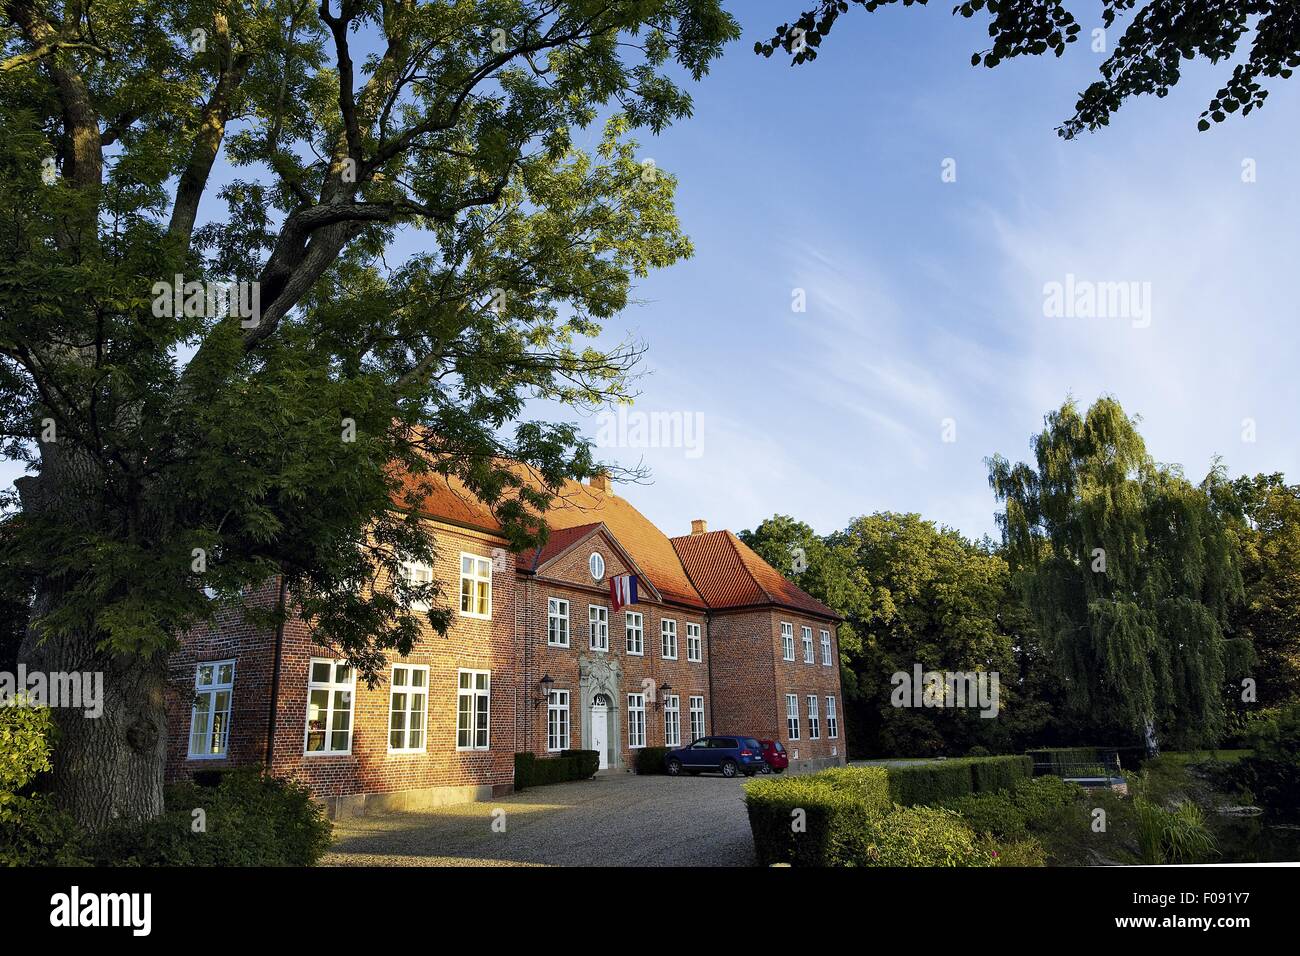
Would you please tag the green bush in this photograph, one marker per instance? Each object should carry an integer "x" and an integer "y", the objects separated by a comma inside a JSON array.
[
  {"x": 33, "y": 831},
  {"x": 250, "y": 819},
  {"x": 844, "y": 817},
  {"x": 795, "y": 820},
  {"x": 990, "y": 774},
  {"x": 531, "y": 771},
  {"x": 992, "y": 813},
  {"x": 1272, "y": 772},
  {"x": 868, "y": 784},
  {"x": 1027, "y": 852},
  {"x": 651, "y": 760},
  {"x": 588, "y": 761},
  {"x": 1177, "y": 835},
  {"x": 911, "y": 836}
]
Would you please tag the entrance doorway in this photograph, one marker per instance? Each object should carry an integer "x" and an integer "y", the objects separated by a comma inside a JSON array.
[{"x": 600, "y": 705}]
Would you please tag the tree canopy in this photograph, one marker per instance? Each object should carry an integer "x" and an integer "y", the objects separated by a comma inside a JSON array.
[
  {"x": 1130, "y": 571},
  {"x": 215, "y": 356},
  {"x": 1147, "y": 58}
]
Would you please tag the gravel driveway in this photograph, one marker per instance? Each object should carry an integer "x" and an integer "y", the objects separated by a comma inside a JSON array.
[{"x": 615, "y": 820}]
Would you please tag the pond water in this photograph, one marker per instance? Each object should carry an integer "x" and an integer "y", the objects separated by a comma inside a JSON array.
[{"x": 1258, "y": 839}]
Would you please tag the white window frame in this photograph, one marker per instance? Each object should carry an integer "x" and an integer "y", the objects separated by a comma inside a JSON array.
[
  {"x": 814, "y": 719},
  {"x": 596, "y": 565},
  {"x": 792, "y": 716},
  {"x": 417, "y": 572},
  {"x": 332, "y": 686},
  {"x": 598, "y": 626},
  {"x": 787, "y": 641},
  {"x": 635, "y": 721},
  {"x": 668, "y": 638},
  {"x": 474, "y": 692},
  {"x": 210, "y": 692},
  {"x": 475, "y": 576},
  {"x": 832, "y": 719},
  {"x": 410, "y": 690},
  {"x": 557, "y": 614},
  {"x": 805, "y": 633},
  {"x": 697, "y": 717},
  {"x": 672, "y": 720},
  {"x": 558, "y": 727},
  {"x": 694, "y": 643},
  {"x": 828, "y": 659},
  {"x": 637, "y": 628}
]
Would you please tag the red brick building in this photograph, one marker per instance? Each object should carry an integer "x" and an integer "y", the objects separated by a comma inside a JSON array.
[{"x": 536, "y": 659}]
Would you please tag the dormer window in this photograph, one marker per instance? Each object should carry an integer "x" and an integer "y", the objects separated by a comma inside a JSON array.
[{"x": 597, "y": 565}]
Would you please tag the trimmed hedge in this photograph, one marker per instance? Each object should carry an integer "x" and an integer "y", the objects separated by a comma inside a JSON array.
[
  {"x": 570, "y": 765},
  {"x": 843, "y": 817},
  {"x": 933, "y": 783},
  {"x": 651, "y": 759}
]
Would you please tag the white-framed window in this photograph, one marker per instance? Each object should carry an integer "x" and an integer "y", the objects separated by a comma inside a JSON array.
[
  {"x": 832, "y": 719},
  {"x": 557, "y": 622},
  {"x": 814, "y": 720},
  {"x": 408, "y": 708},
  {"x": 787, "y": 641},
  {"x": 557, "y": 720},
  {"x": 473, "y": 710},
  {"x": 635, "y": 627},
  {"x": 635, "y": 720},
  {"x": 598, "y": 619},
  {"x": 475, "y": 586},
  {"x": 672, "y": 721},
  {"x": 331, "y": 687},
  {"x": 694, "y": 645},
  {"x": 668, "y": 638},
  {"x": 214, "y": 686},
  {"x": 827, "y": 660},
  {"x": 416, "y": 573},
  {"x": 792, "y": 716},
  {"x": 806, "y": 633},
  {"x": 596, "y": 565},
  {"x": 697, "y": 718}
]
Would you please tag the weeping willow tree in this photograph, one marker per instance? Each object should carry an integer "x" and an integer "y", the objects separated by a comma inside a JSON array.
[{"x": 1130, "y": 571}]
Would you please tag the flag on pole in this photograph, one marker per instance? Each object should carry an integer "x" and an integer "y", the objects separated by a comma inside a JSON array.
[{"x": 622, "y": 590}]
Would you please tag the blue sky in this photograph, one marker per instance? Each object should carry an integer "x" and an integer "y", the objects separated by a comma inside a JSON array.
[{"x": 925, "y": 297}]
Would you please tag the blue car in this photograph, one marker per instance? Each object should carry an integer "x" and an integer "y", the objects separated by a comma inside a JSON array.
[{"x": 724, "y": 754}]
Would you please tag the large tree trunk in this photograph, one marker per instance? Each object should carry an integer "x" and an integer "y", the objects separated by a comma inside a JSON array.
[{"x": 107, "y": 768}]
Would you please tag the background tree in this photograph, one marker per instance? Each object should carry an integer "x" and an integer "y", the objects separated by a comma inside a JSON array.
[
  {"x": 1269, "y": 617},
  {"x": 911, "y": 592},
  {"x": 1147, "y": 58},
  {"x": 177, "y": 450},
  {"x": 1130, "y": 572}
]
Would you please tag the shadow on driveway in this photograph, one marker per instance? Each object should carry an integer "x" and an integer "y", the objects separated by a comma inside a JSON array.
[{"x": 614, "y": 820}]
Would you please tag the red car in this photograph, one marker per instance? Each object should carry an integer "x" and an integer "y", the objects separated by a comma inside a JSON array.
[{"x": 775, "y": 759}]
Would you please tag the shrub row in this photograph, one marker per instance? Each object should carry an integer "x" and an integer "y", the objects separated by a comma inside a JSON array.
[
  {"x": 1026, "y": 808},
  {"x": 930, "y": 784},
  {"x": 651, "y": 759},
  {"x": 569, "y": 765},
  {"x": 844, "y": 817}
]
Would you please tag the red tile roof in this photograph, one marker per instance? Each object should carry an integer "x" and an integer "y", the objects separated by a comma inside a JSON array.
[
  {"x": 728, "y": 573},
  {"x": 572, "y": 513},
  {"x": 715, "y": 569}
]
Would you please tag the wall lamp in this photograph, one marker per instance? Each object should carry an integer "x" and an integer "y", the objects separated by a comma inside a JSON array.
[
  {"x": 664, "y": 688},
  {"x": 545, "y": 684}
]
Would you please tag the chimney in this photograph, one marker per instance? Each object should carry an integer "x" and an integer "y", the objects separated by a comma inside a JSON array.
[
  {"x": 600, "y": 482},
  {"x": 699, "y": 526}
]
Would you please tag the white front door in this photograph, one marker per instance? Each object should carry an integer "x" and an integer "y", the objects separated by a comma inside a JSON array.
[{"x": 600, "y": 733}]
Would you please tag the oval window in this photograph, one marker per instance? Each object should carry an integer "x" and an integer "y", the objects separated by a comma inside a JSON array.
[{"x": 597, "y": 565}]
